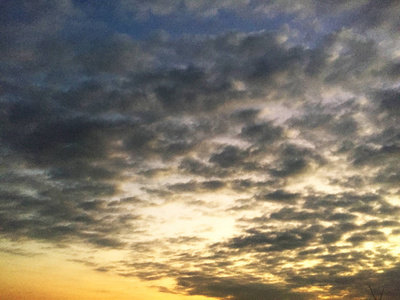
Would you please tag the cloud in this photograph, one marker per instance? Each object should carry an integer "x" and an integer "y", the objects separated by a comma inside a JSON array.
[
  {"x": 372, "y": 235},
  {"x": 291, "y": 214},
  {"x": 234, "y": 288},
  {"x": 255, "y": 156},
  {"x": 389, "y": 101},
  {"x": 281, "y": 196},
  {"x": 262, "y": 133},
  {"x": 229, "y": 157},
  {"x": 273, "y": 241},
  {"x": 118, "y": 54}
]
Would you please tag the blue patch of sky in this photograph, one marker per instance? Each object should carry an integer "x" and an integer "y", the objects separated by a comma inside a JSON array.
[
  {"x": 178, "y": 24},
  {"x": 15, "y": 14}
]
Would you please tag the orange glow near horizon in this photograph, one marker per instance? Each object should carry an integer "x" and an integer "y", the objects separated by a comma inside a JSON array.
[{"x": 50, "y": 276}]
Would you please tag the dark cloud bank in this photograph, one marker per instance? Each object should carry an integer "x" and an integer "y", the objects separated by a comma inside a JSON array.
[{"x": 85, "y": 106}]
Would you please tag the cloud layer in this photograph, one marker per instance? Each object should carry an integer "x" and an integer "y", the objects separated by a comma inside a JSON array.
[{"x": 242, "y": 164}]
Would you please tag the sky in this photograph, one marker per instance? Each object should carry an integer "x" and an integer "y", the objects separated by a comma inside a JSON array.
[{"x": 194, "y": 150}]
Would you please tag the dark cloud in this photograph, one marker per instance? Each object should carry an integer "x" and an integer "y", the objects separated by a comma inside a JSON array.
[
  {"x": 192, "y": 186},
  {"x": 291, "y": 214},
  {"x": 106, "y": 242},
  {"x": 289, "y": 167},
  {"x": 281, "y": 196},
  {"x": 246, "y": 115},
  {"x": 389, "y": 101},
  {"x": 331, "y": 201},
  {"x": 197, "y": 167},
  {"x": 380, "y": 224},
  {"x": 213, "y": 184},
  {"x": 273, "y": 241},
  {"x": 294, "y": 160},
  {"x": 370, "y": 154},
  {"x": 342, "y": 217},
  {"x": 262, "y": 133},
  {"x": 234, "y": 288},
  {"x": 371, "y": 235},
  {"x": 229, "y": 157},
  {"x": 116, "y": 55}
]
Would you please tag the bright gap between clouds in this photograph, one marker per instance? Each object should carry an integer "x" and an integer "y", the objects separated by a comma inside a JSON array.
[{"x": 197, "y": 217}]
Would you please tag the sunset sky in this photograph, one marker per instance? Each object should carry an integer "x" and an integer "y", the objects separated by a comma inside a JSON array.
[{"x": 196, "y": 149}]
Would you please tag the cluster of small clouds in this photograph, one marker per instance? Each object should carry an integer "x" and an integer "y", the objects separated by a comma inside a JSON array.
[{"x": 301, "y": 133}]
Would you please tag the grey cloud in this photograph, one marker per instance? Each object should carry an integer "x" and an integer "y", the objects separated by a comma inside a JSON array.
[
  {"x": 294, "y": 160},
  {"x": 229, "y": 157},
  {"x": 189, "y": 89},
  {"x": 261, "y": 133},
  {"x": 38, "y": 19},
  {"x": 387, "y": 279},
  {"x": 374, "y": 15},
  {"x": 311, "y": 251},
  {"x": 92, "y": 96},
  {"x": 313, "y": 118},
  {"x": 93, "y": 205},
  {"x": 102, "y": 269},
  {"x": 364, "y": 15},
  {"x": 372, "y": 235},
  {"x": 47, "y": 140},
  {"x": 18, "y": 252},
  {"x": 345, "y": 126},
  {"x": 392, "y": 70},
  {"x": 330, "y": 238},
  {"x": 388, "y": 209},
  {"x": 56, "y": 233},
  {"x": 185, "y": 240},
  {"x": 333, "y": 119},
  {"x": 197, "y": 167},
  {"x": 352, "y": 181},
  {"x": 139, "y": 141},
  {"x": 193, "y": 186},
  {"x": 281, "y": 196},
  {"x": 289, "y": 167},
  {"x": 389, "y": 136},
  {"x": 58, "y": 215},
  {"x": 274, "y": 62},
  {"x": 372, "y": 154},
  {"x": 106, "y": 242},
  {"x": 246, "y": 115},
  {"x": 359, "y": 55},
  {"x": 389, "y": 101},
  {"x": 248, "y": 184},
  {"x": 340, "y": 200},
  {"x": 273, "y": 241},
  {"x": 291, "y": 214},
  {"x": 243, "y": 205},
  {"x": 118, "y": 54},
  {"x": 234, "y": 288},
  {"x": 342, "y": 217},
  {"x": 164, "y": 139},
  {"x": 184, "y": 187},
  {"x": 366, "y": 209},
  {"x": 233, "y": 56},
  {"x": 213, "y": 184},
  {"x": 343, "y": 227},
  {"x": 82, "y": 171},
  {"x": 380, "y": 224}
]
